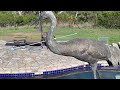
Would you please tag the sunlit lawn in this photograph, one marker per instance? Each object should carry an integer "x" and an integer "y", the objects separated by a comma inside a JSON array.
[{"x": 112, "y": 34}]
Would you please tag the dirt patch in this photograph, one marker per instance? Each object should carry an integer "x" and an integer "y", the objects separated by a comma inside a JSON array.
[
  {"x": 26, "y": 33},
  {"x": 29, "y": 36}
]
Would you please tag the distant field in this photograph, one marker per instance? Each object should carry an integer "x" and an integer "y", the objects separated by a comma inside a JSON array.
[{"x": 32, "y": 34}]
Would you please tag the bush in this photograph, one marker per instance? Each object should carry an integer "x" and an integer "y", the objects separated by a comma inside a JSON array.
[
  {"x": 18, "y": 20},
  {"x": 109, "y": 19},
  {"x": 6, "y": 19},
  {"x": 64, "y": 17},
  {"x": 11, "y": 19},
  {"x": 29, "y": 18}
]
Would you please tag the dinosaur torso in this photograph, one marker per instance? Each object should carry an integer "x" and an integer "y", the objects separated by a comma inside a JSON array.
[{"x": 85, "y": 50}]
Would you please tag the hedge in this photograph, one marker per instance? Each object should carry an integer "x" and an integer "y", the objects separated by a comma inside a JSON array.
[
  {"x": 9, "y": 19},
  {"x": 107, "y": 19}
]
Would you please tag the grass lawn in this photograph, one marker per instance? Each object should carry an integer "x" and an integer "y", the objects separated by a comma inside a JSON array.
[{"x": 112, "y": 34}]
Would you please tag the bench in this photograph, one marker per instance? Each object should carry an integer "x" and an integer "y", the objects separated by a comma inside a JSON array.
[{"x": 20, "y": 40}]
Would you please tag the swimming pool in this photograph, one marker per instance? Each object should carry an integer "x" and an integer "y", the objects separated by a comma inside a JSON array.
[
  {"x": 104, "y": 74},
  {"x": 79, "y": 72}
]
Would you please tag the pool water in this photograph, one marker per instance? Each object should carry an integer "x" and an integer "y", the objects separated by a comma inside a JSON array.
[{"x": 103, "y": 74}]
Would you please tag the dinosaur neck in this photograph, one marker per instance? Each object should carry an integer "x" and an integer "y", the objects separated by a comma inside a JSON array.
[{"x": 52, "y": 44}]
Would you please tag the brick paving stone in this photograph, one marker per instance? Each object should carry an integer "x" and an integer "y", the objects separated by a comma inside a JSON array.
[{"x": 33, "y": 59}]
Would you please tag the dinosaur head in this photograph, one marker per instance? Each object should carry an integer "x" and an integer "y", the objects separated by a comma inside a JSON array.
[{"x": 46, "y": 14}]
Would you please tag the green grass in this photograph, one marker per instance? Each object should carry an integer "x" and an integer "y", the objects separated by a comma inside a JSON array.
[
  {"x": 112, "y": 34},
  {"x": 15, "y": 30}
]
